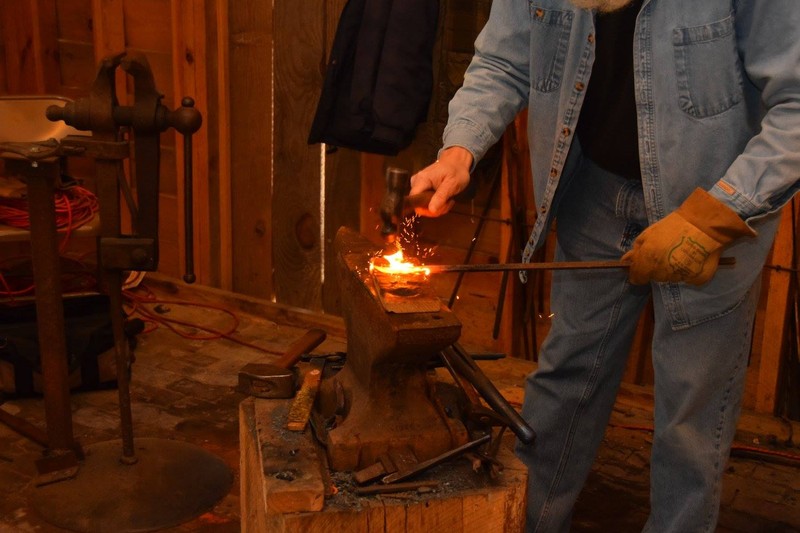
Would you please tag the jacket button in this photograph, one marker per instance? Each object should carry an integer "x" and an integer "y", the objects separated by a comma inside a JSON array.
[
  {"x": 539, "y": 13},
  {"x": 580, "y": 86},
  {"x": 565, "y": 132},
  {"x": 590, "y": 38},
  {"x": 543, "y": 209},
  {"x": 553, "y": 172}
]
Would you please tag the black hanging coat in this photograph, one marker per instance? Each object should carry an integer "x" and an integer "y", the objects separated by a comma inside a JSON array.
[{"x": 380, "y": 75}]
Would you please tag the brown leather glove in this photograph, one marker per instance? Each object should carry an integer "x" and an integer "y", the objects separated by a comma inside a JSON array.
[{"x": 685, "y": 246}]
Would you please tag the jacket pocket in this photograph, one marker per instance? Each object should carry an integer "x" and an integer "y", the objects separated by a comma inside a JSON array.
[
  {"x": 709, "y": 71},
  {"x": 549, "y": 41}
]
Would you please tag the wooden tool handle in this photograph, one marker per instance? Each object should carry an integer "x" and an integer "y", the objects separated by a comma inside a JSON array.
[
  {"x": 304, "y": 344},
  {"x": 417, "y": 200}
]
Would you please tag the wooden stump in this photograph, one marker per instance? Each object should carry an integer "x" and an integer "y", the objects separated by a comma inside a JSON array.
[{"x": 284, "y": 483}]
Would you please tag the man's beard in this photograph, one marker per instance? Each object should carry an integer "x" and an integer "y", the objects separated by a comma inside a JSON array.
[{"x": 603, "y": 6}]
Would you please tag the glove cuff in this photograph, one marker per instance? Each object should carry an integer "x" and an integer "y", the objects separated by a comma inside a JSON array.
[{"x": 713, "y": 217}]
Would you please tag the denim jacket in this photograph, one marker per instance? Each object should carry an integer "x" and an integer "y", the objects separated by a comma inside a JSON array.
[{"x": 717, "y": 86}]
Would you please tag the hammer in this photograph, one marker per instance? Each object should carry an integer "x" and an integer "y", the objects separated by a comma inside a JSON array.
[
  {"x": 396, "y": 202},
  {"x": 278, "y": 380}
]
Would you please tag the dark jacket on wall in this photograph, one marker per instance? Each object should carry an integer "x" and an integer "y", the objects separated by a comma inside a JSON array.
[{"x": 380, "y": 75}]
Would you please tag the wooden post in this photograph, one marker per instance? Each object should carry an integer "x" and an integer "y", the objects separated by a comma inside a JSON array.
[
  {"x": 342, "y": 181},
  {"x": 189, "y": 79},
  {"x": 250, "y": 94},
  {"x": 773, "y": 340},
  {"x": 297, "y": 206},
  {"x": 18, "y": 31},
  {"x": 222, "y": 139}
]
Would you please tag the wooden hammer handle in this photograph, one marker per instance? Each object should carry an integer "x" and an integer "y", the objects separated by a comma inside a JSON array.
[
  {"x": 414, "y": 201},
  {"x": 304, "y": 344}
]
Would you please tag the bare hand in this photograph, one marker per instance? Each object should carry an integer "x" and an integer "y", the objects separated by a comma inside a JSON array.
[{"x": 446, "y": 177}]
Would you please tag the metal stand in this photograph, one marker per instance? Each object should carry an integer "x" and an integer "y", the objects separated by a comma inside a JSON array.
[{"x": 121, "y": 485}]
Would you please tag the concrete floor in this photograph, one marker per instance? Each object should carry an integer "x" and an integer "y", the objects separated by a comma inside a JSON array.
[{"x": 184, "y": 389}]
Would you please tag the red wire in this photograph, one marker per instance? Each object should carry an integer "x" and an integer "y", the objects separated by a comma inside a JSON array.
[
  {"x": 138, "y": 305},
  {"x": 74, "y": 207}
]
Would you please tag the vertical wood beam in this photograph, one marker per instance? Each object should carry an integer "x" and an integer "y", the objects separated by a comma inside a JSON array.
[
  {"x": 297, "y": 207},
  {"x": 773, "y": 340},
  {"x": 45, "y": 40},
  {"x": 516, "y": 177},
  {"x": 189, "y": 79},
  {"x": 18, "y": 30},
  {"x": 342, "y": 180},
  {"x": 223, "y": 144},
  {"x": 372, "y": 188},
  {"x": 251, "y": 146}
]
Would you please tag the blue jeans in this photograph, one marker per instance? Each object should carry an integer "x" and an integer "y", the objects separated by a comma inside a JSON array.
[{"x": 699, "y": 371}]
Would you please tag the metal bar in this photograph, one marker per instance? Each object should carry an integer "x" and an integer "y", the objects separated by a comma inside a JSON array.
[
  {"x": 109, "y": 173},
  {"x": 430, "y": 463},
  {"x": 41, "y": 180},
  {"x": 396, "y": 487},
  {"x": 24, "y": 428},
  {"x": 554, "y": 265}
]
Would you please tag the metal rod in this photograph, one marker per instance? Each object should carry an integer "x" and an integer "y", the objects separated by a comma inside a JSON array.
[
  {"x": 41, "y": 179},
  {"x": 24, "y": 428},
  {"x": 554, "y": 265},
  {"x": 439, "y": 459},
  {"x": 465, "y": 366}
]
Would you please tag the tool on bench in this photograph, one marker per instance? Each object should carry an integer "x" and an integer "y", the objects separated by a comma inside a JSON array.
[
  {"x": 279, "y": 379},
  {"x": 402, "y": 475},
  {"x": 300, "y": 410},
  {"x": 552, "y": 265},
  {"x": 396, "y": 202}
]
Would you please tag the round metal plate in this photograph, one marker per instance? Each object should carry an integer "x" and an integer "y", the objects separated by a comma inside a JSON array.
[{"x": 171, "y": 483}]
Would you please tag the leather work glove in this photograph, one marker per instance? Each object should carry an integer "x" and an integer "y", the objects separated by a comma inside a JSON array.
[{"x": 685, "y": 246}]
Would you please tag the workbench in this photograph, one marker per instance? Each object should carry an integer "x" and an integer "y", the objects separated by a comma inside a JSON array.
[{"x": 285, "y": 487}]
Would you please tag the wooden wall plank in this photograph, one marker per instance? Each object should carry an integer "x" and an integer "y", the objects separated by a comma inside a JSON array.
[
  {"x": 250, "y": 94},
  {"x": 342, "y": 181},
  {"x": 46, "y": 46},
  {"x": 3, "y": 63},
  {"x": 149, "y": 24},
  {"x": 18, "y": 33},
  {"x": 296, "y": 208},
  {"x": 189, "y": 78},
  {"x": 75, "y": 20},
  {"x": 219, "y": 145},
  {"x": 108, "y": 31},
  {"x": 773, "y": 340}
]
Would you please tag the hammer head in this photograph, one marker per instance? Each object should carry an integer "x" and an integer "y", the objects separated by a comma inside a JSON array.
[
  {"x": 398, "y": 184},
  {"x": 263, "y": 380}
]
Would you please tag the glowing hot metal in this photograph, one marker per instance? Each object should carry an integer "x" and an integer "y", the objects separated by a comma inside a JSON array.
[{"x": 396, "y": 264}]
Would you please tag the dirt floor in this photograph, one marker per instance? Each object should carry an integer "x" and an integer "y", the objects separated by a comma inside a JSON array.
[{"x": 184, "y": 389}]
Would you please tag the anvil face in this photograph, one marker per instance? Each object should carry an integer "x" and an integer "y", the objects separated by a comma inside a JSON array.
[{"x": 384, "y": 398}]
